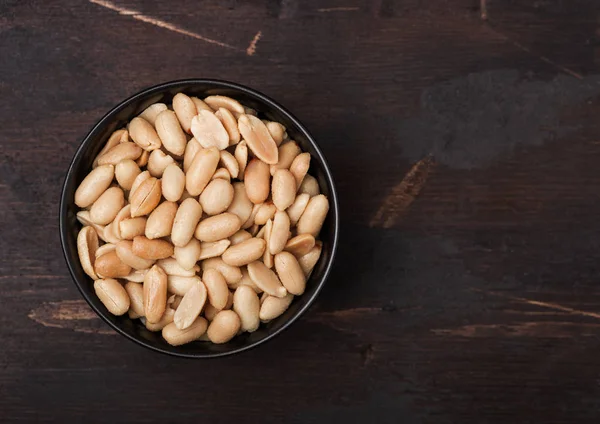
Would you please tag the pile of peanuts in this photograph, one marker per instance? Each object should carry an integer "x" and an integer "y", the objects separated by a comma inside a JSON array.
[{"x": 211, "y": 226}]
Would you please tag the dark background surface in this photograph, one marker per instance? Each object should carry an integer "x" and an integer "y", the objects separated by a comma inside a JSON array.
[{"x": 465, "y": 142}]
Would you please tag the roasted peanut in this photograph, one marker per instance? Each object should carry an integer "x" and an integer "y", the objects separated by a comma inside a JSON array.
[
  {"x": 223, "y": 174},
  {"x": 300, "y": 245},
  {"x": 276, "y": 130},
  {"x": 283, "y": 189},
  {"x": 309, "y": 185},
  {"x": 142, "y": 176},
  {"x": 145, "y": 198},
  {"x": 290, "y": 273},
  {"x": 213, "y": 249},
  {"x": 122, "y": 151},
  {"x": 191, "y": 149},
  {"x": 165, "y": 320},
  {"x": 180, "y": 285},
  {"x": 296, "y": 210},
  {"x": 247, "y": 305},
  {"x": 87, "y": 245},
  {"x": 143, "y": 134},
  {"x": 170, "y": 132},
  {"x": 229, "y": 162},
  {"x": 135, "y": 291},
  {"x": 232, "y": 274},
  {"x": 314, "y": 215},
  {"x": 308, "y": 261},
  {"x": 299, "y": 167},
  {"x": 200, "y": 105},
  {"x": 125, "y": 253},
  {"x": 279, "y": 232},
  {"x": 223, "y": 327},
  {"x": 216, "y": 197},
  {"x": 266, "y": 279},
  {"x": 185, "y": 109},
  {"x": 265, "y": 212},
  {"x": 172, "y": 183},
  {"x": 177, "y": 337},
  {"x": 112, "y": 294},
  {"x": 257, "y": 181},
  {"x": 125, "y": 172},
  {"x": 158, "y": 162},
  {"x": 239, "y": 237},
  {"x": 241, "y": 155},
  {"x": 107, "y": 206},
  {"x": 136, "y": 276},
  {"x": 187, "y": 218},
  {"x": 151, "y": 112},
  {"x": 230, "y": 124},
  {"x": 93, "y": 185},
  {"x": 115, "y": 138},
  {"x": 287, "y": 154},
  {"x": 240, "y": 205},
  {"x": 191, "y": 305},
  {"x": 172, "y": 267},
  {"x": 268, "y": 257},
  {"x": 151, "y": 249},
  {"x": 209, "y": 130},
  {"x": 258, "y": 138},
  {"x": 201, "y": 170},
  {"x": 216, "y": 102},
  {"x": 110, "y": 266},
  {"x": 188, "y": 255},
  {"x": 217, "y": 227},
  {"x": 272, "y": 307},
  {"x": 129, "y": 228},
  {"x": 216, "y": 287},
  {"x": 105, "y": 248},
  {"x": 244, "y": 252},
  {"x": 155, "y": 294},
  {"x": 160, "y": 221}
]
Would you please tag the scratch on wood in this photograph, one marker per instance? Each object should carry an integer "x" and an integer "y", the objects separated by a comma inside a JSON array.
[
  {"x": 349, "y": 313},
  {"x": 337, "y": 9},
  {"x": 530, "y": 329},
  {"x": 252, "y": 47},
  {"x": 483, "y": 9},
  {"x": 159, "y": 23},
  {"x": 403, "y": 194},
  {"x": 529, "y": 51},
  {"x": 549, "y": 305},
  {"x": 75, "y": 315}
]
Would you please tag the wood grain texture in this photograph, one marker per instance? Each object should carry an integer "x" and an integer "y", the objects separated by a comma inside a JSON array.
[{"x": 465, "y": 291}]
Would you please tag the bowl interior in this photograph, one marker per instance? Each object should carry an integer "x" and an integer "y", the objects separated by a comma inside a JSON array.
[{"x": 117, "y": 118}]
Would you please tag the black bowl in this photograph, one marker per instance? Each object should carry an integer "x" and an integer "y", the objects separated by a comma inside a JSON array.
[{"x": 117, "y": 118}]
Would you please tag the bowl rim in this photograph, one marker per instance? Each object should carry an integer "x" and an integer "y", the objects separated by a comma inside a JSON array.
[{"x": 85, "y": 144}]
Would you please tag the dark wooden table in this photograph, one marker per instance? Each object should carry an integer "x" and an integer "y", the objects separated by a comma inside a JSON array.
[{"x": 465, "y": 141}]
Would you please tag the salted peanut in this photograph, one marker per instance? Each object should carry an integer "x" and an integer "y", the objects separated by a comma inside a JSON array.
[
  {"x": 191, "y": 305},
  {"x": 201, "y": 170},
  {"x": 308, "y": 261},
  {"x": 180, "y": 285},
  {"x": 110, "y": 235},
  {"x": 240, "y": 205},
  {"x": 87, "y": 245},
  {"x": 266, "y": 279},
  {"x": 216, "y": 287},
  {"x": 126, "y": 171},
  {"x": 151, "y": 249},
  {"x": 247, "y": 305},
  {"x": 187, "y": 255},
  {"x": 142, "y": 176},
  {"x": 112, "y": 295},
  {"x": 244, "y": 252},
  {"x": 135, "y": 292},
  {"x": 172, "y": 267},
  {"x": 200, "y": 105},
  {"x": 314, "y": 215},
  {"x": 151, "y": 112},
  {"x": 121, "y": 151},
  {"x": 297, "y": 208},
  {"x": 241, "y": 155},
  {"x": 209, "y": 130},
  {"x": 146, "y": 197},
  {"x": 105, "y": 248},
  {"x": 290, "y": 273},
  {"x": 136, "y": 276},
  {"x": 170, "y": 132},
  {"x": 223, "y": 174},
  {"x": 143, "y": 134},
  {"x": 239, "y": 237},
  {"x": 223, "y": 327},
  {"x": 217, "y": 227},
  {"x": 279, "y": 232},
  {"x": 158, "y": 162},
  {"x": 283, "y": 189},
  {"x": 272, "y": 307},
  {"x": 93, "y": 185},
  {"x": 257, "y": 179},
  {"x": 143, "y": 159},
  {"x": 210, "y": 311},
  {"x": 276, "y": 130},
  {"x": 187, "y": 218},
  {"x": 107, "y": 206},
  {"x": 130, "y": 228},
  {"x": 287, "y": 154},
  {"x": 110, "y": 266},
  {"x": 232, "y": 274},
  {"x": 299, "y": 167},
  {"x": 177, "y": 337},
  {"x": 300, "y": 245},
  {"x": 155, "y": 294},
  {"x": 191, "y": 149},
  {"x": 250, "y": 221},
  {"x": 185, "y": 109},
  {"x": 268, "y": 257},
  {"x": 125, "y": 253},
  {"x": 173, "y": 183},
  {"x": 229, "y": 162},
  {"x": 119, "y": 136},
  {"x": 216, "y": 197},
  {"x": 213, "y": 249},
  {"x": 230, "y": 123},
  {"x": 310, "y": 186},
  {"x": 160, "y": 221},
  {"x": 265, "y": 212},
  {"x": 258, "y": 138},
  {"x": 165, "y": 320},
  {"x": 217, "y": 102}
]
